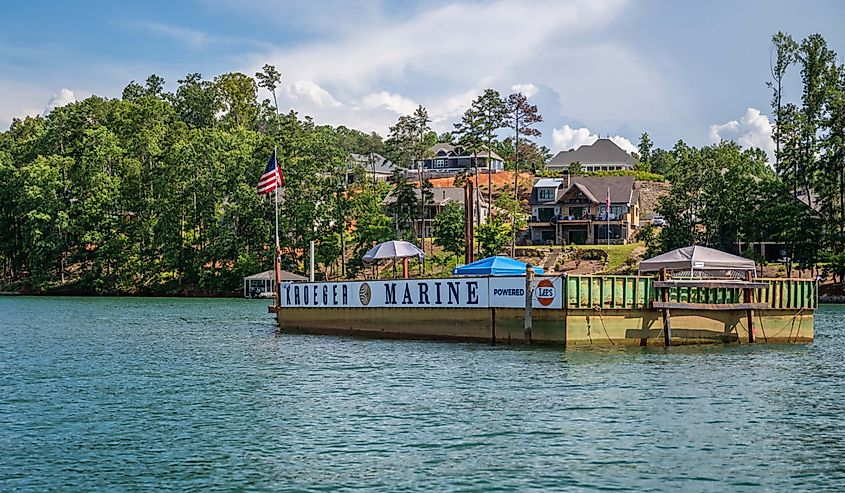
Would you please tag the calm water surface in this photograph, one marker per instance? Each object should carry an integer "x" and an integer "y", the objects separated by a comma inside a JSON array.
[{"x": 203, "y": 395}]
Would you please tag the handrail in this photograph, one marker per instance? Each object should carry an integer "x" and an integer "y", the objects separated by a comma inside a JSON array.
[{"x": 639, "y": 292}]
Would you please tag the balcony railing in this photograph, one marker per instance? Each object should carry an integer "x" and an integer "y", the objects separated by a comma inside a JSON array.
[{"x": 561, "y": 218}]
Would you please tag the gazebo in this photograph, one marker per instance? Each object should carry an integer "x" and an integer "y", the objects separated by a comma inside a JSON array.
[
  {"x": 688, "y": 293},
  {"x": 261, "y": 285},
  {"x": 697, "y": 258}
]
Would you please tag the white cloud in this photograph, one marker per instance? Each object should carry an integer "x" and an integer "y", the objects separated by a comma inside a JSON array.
[
  {"x": 624, "y": 143},
  {"x": 566, "y": 138},
  {"x": 312, "y": 92},
  {"x": 752, "y": 130},
  {"x": 65, "y": 96},
  {"x": 194, "y": 38},
  {"x": 188, "y": 36},
  {"x": 396, "y": 103},
  {"x": 527, "y": 90},
  {"x": 389, "y": 62}
]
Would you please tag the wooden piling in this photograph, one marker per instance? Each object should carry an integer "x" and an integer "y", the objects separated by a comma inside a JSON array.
[
  {"x": 493, "y": 326},
  {"x": 749, "y": 314},
  {"x": 667, "y": 324},
  {"x": 529, "y": 281}
]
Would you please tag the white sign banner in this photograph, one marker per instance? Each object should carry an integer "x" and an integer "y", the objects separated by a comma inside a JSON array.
[
  {"x": 466, "y": 292},
  {"x": 509, "y": 292}
]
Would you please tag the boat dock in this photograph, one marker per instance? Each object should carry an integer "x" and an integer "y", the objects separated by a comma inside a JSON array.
[{"x": 601, "y": 310}]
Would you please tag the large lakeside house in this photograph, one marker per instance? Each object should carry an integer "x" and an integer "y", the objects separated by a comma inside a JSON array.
[
  {"x": 449, "y": 159},
  {"x": 603, "y": 155},
  {"x": 572, "y": 210}
]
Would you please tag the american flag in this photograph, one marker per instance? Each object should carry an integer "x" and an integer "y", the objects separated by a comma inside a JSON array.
[{"x": 272, "y": 177}]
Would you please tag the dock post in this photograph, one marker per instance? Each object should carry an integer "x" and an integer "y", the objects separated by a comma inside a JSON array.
[
  {"x": 749, "y": 314},
  {"x": 493, "y": 326},
  {"x": 667, "y": 324},
  {"x": 529, "y": 280}
]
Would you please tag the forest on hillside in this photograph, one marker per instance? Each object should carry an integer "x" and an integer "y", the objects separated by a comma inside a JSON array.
[{"x": 154, "y": 192}]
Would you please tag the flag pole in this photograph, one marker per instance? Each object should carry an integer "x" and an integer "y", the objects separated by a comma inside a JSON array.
[
  {"x": 607, "y": 212},
  {"x": 277, "y": 257}
]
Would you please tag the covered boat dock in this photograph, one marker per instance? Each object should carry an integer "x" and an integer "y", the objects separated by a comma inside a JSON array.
[{"x": 261, "y": 285}]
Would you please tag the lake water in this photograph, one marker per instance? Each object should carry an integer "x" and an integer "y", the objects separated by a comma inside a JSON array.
[{"x": 129, "y": 394}]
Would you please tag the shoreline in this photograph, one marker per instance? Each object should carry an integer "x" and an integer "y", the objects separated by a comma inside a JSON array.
[{"x": 120, "y": 295}]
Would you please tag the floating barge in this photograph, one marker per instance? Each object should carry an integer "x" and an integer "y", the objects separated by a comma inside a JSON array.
[{"x": 562, "y": 310}]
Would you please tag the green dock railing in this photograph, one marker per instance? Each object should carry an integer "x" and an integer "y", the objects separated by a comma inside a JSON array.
[
  {"x": 621, "y": 292},
  {"x": 637, "y": 292},
  {"x": 789, "y": 293}
]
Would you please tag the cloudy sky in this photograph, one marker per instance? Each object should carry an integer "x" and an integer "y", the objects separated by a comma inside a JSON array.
[{"x": 677, "y": 70}]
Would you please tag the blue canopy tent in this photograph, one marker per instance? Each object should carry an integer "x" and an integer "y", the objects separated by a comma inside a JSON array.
[{"x": 494, "y": 266}]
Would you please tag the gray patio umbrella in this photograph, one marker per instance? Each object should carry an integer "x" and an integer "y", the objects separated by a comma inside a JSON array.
[{"x": 393, "y": 250}]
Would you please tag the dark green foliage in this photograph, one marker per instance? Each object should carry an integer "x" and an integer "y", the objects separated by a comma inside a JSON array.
[
  {"x": 638, "y": 175},
  {"x": 644, "y": 151},
  {"x": 710, "y": 196},
  {"x": 155, "y": 192},
  {"x": 405, "y": 207},
  {"x": 449, "y": 229},
  {"x": 493, "y": 236}
]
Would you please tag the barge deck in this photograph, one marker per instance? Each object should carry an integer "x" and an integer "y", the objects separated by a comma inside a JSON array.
[{"x": 564, "y": 311}]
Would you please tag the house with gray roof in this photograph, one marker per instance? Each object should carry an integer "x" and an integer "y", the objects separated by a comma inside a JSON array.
[
  {"x": 452, "y": 159},
  {"x": 603, "y": 155},
  {"x": 573, "y": 210},
  {"x": 441, "y": 197},
  {"x": 376, "y": 167}
]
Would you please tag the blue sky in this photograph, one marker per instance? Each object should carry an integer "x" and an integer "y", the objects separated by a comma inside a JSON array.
[{"x": 678, "y": 70}]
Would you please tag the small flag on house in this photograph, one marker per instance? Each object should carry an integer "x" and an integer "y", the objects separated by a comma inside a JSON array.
[{"x": 272, "y": 177}]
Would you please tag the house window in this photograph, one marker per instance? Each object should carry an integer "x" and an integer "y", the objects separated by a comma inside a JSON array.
[
  {"x": 545, "y": 193},
  {"x": 601, "y": 232},
  {"x": 545, "y": 214},
  {"x": 616, "y": 211},
  {"x": 440, "y": 163}
]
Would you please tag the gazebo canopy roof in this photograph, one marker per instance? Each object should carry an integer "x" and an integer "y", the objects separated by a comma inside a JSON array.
[
  {"x": 269, "y": 275},
  {"x": 697, "y": 258}
]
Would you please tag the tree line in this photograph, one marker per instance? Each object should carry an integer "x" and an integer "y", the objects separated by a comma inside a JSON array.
[
  {"x": 155, "y": 191},
  {"x": 729, "y": 198}
]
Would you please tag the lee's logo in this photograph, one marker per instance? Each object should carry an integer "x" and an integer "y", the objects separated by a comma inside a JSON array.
[{"x": 545, "y": 292}]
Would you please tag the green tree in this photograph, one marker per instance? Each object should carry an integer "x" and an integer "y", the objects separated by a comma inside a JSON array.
[
  {"x": 405, "y": 206},
  {"x": 521, "y": 116},
  {"x": 493, "y": 236},
  {"x": 490, "y": 112},
  {"x": 197, "y": 101},
  {"x": 269, "y": 78},
  {"x": 517, "y": 218},
  {"x": 709, "y": 200},
  {"x": 448, "y": 229},
  {"x": 644, "y": 149},
  {"x": 784, "y": 50},
  {"x": 237, "y": 93}
]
